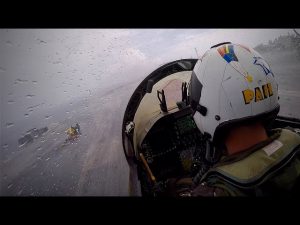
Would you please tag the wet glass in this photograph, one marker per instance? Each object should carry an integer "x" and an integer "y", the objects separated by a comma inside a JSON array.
[{"x": 53, "y": 79}]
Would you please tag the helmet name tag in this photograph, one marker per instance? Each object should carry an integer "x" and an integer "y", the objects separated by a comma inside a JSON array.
[{"x": 258, "y": 94}]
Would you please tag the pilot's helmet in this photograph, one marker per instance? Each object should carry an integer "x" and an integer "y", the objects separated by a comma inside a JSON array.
[{"x": 232, "y": 84}]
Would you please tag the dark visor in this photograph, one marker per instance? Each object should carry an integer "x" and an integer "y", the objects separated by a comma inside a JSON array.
[{"x": 195, "y": 89}]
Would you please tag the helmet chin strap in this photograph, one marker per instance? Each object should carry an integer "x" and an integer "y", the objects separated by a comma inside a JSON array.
[
  {"x": 211, "y": 153},
  {"x": 201, "y": 109},
  {"x": 212, "y": 156}
]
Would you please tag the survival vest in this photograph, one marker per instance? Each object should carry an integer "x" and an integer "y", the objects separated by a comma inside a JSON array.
[{"x": 271, "y": 170}]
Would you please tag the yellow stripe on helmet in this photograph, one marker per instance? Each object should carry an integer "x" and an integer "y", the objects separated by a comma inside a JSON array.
[{"x": 226, "y": 49}]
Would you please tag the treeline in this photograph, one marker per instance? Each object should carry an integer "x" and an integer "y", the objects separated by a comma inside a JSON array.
[{"x": 283, "y": 42}]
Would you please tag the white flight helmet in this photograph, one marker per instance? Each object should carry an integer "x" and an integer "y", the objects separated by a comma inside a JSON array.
[{"x": 231, "y": 83}]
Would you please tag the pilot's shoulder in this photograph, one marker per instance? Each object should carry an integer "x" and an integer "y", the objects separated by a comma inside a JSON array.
[
  {"x": 292, "y": 129},
  {"x": 291, "y": 134}
]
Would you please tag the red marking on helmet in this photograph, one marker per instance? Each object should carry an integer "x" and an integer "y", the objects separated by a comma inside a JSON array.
[{"x": 222, "y": 51}]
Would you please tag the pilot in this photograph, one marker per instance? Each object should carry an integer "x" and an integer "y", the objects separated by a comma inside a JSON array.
[{"x": 234, "y": 97}]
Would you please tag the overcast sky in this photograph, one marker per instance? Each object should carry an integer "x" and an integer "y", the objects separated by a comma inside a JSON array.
[
  {"x": 48, "y": 67},
  {"x": 104, "y": 53}
]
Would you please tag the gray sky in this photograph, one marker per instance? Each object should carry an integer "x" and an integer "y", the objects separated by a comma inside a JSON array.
[{"x": 44, "y": 68}]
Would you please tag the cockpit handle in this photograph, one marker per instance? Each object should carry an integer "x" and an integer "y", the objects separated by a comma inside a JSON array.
[{"x": 162, "y": 100}]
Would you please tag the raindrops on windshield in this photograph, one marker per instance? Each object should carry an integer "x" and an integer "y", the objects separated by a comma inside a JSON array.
[
  {"x": 55, "y": 79},
  {"x": 8, "y": 125},
  {"x": 20, "y": 81},
  {"x": 48, "y": 117}
]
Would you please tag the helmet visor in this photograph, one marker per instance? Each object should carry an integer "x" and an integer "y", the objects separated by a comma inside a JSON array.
[{"x": 195, "y": 89}]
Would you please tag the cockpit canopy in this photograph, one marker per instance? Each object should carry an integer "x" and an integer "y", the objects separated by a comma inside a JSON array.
[{"x": 161, "y": 93}]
